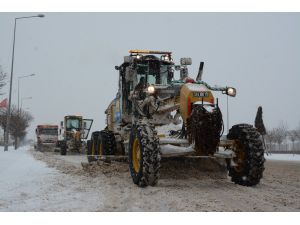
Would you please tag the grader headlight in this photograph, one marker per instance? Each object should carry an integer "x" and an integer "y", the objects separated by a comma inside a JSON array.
[
  {"x": 151, "y": 89},
  {"x": 231, "y": 91},
  {"x": 166, "y": 58}
]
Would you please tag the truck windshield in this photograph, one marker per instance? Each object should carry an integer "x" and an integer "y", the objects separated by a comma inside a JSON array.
[
  {"x": 48, "y": 131},
  {"x": 73, "y": 124}
]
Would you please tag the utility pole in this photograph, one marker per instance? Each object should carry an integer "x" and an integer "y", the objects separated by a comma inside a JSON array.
[{"x": 6, "y": 134}]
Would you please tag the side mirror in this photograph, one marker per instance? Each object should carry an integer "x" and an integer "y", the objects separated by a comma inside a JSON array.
[
  {"x": 59, "y": 131},
  {"x": 117, "y": 68},
  {"x": 185, "y": 61},
  {"x": 61, "y": 123},
  {"x": 36, "y": 131}
]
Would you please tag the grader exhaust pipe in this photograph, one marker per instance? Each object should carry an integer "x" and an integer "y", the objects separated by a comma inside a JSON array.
[{"x": 200, "y": 71}]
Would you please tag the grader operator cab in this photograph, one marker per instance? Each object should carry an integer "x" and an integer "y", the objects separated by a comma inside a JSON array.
[
  {"x": 154, "y": 115},
  {"x": 75, "y": 131}
]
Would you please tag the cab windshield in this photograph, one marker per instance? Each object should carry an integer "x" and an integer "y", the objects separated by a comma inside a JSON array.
[
  {"x": 73, "y": 124},
  {"x": 154, "y": 74},
  {"x": 48, "y": 131}
]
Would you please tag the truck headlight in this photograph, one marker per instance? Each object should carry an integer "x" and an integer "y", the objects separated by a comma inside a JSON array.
[
  {"x": 231, "y": 91},
  {"x": 151, "y": 89}
]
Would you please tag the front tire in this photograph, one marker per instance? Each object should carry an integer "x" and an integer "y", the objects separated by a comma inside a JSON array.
[
  {"x": 63, "y": 148},
  {"x": 38, "y": 147},
  {"x": 247, "y": 166},
  {"x": 144, "y": 155}
]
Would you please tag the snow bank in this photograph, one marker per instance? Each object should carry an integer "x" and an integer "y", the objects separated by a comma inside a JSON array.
[
  {"x": 283, "y": 157},
  {"x": 21, "y": 176},
  {"x": 17, "y": 165}
]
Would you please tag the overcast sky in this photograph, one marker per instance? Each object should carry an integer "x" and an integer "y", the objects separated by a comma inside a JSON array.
[{"x": 73, "y": 56}]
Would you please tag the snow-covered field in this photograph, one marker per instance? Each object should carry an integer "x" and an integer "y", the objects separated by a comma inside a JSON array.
[
  {"x": 35, "y": 181},
  {"x": 283, "y": 157}
]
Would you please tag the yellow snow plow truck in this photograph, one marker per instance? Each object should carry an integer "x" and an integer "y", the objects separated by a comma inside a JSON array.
[
  {"x": 155, "y": 115},
  {"x": 75, "y": 131}
]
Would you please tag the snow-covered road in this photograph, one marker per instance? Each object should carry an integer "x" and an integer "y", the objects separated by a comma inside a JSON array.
[{"x": 35, "y": 181}]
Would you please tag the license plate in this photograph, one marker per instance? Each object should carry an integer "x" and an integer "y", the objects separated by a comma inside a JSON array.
[{"x": 202, "y": 94}]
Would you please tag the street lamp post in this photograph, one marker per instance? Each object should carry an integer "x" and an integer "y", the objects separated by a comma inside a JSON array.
[
  {"x": 11, "y": 80},
  {"x": 19, "y": 78},
  {"x": 22, "y": 99}
]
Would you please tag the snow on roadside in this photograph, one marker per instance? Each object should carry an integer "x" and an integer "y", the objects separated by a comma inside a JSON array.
[
  {"x": 28, "y": 184},
  {"x": 21, "y": 177},
  {"x": 17, "y": 165},
  {"x": 283, "y": 157}
]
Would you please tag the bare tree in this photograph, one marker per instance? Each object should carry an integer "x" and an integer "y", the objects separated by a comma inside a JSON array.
[
  {"x": 19, "y": 122},
  {"x": 3, "y": 117},
  {"x": 3, "y": 77},
  {"x": 297, "y": 133},
  {"x": 270, "y": 138},
  {"x": 293, "y": 136},
  {"x": 280, "y": 133}
]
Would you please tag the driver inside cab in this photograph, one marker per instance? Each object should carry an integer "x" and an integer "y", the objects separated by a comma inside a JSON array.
[{"x": 138, "y": 90}]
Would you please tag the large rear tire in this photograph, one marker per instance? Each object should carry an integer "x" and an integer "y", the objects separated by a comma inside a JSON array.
[
  {"x": 144, "y": 155},
  {"x": 247, "y": 166},
  {"x": 106, "y": 143},
  {"x": 101, "y": 143},
  {"x": 90, "y": 157}
]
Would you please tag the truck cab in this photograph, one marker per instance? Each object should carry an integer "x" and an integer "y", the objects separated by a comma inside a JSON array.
[{"x": 47, "y": 136}]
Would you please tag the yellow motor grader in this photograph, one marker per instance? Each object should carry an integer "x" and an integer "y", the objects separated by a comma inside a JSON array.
[
  {"x": 154, "y": 115},
  {"x": 75, "y": 131}
]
